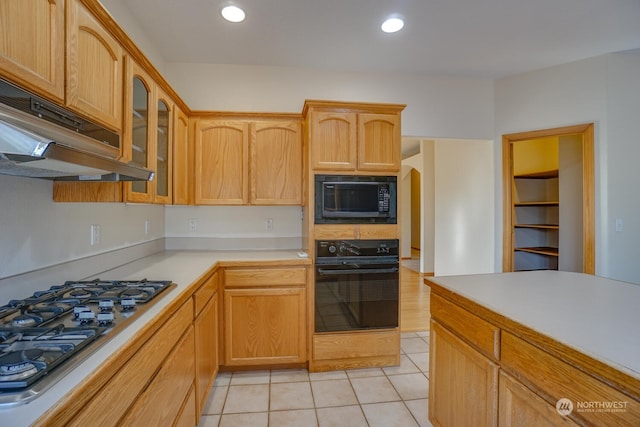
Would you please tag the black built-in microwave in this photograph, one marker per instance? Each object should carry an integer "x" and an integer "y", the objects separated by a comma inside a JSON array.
[{"x": 356, "y": 199}]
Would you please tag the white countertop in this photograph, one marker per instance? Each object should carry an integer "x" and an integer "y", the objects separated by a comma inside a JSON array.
[
  {"x": 183, "y": 268},
  {"x": 596, "y": 316}
]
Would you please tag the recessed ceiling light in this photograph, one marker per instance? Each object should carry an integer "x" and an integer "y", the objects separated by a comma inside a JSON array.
[
  {"x": 232, "y": 13},
  {"x": 392, "y": 24}
]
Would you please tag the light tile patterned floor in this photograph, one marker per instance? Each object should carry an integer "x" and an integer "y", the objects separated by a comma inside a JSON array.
[{"x": 385, "y": 397}]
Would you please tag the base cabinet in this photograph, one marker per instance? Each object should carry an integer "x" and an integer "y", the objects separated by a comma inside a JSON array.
[
  {"x": 463, "y": 386},
  {"x": 206, "y": 340},
  {"x": 265, "y": 316},
  {"x": 188, "y": 412},
  {"x": 265, "y": 326},
  {"x": 520, "y": 407},
  {"x": 361, "y": 349},
  {"x": 155, "y": 371},
  {"x": 486, "y": 370},
  {"x": 162, "y": 401}
]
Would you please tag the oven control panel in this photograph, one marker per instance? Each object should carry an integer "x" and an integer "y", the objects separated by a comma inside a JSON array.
[{"x": 356, "y": 248}]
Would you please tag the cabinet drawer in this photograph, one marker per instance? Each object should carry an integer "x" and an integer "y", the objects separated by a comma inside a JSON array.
[
  {"x": 482, "y": 334},
  {"x": 556, "y": 379},
  {"x": 188, "y": 416},
  {"x": 205, "y": 292},
  {"x": 360, "y": 345},
  {"x": 378, "y": 231},
  {"x": 294, "y": 276},
  {"x": 351, "y": 231},
  {"x": 519, "y": 406},
  {"x": 163, "y": 400},
  {"x": 111, "y": 402},
  {"x": 337, "y": 231}
]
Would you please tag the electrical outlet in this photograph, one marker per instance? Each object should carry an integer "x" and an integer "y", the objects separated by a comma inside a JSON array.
[
  {"x": 618, "y": 224},
  {"x": 147, "y": 227},
  {"x": 95, "y": 234},
  {"x": 192, "y": 224},
  {"x": 268, "y": 224}
]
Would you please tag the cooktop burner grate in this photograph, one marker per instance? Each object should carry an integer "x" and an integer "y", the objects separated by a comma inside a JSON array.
[{"x": 44, "y": 336}]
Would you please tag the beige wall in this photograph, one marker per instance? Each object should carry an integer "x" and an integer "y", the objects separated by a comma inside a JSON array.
[{"x": 604, "y": 90}]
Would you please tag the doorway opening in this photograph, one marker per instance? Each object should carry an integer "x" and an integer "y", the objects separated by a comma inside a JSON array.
[{"x": 541, "y": 196}]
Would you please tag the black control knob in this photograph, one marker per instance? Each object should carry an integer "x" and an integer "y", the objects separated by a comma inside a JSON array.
[{"x": 332, "y": 249}]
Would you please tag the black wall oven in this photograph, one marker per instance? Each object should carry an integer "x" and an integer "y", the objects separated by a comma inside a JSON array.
[
  {"x": 356, "y": 285},
  {"x": 352, "y": 199}
]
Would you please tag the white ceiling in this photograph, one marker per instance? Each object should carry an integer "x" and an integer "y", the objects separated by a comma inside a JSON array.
[{"x": 473, "y": 38}]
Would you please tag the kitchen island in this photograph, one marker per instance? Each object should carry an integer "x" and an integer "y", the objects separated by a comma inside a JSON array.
[
  {"x": 191, "y": 271},
  {"x": 534, "y": 348}
]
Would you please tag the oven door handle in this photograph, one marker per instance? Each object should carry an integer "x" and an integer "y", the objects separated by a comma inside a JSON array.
[{"x": 332, "y": 272}]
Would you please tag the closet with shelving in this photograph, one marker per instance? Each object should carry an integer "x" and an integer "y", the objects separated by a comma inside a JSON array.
[
  {"x": 536, "y": 220},
  {"x": 547, "y": 204}
]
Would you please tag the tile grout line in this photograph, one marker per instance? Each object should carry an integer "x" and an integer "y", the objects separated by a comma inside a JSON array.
[{"x": 349, "y": 378}]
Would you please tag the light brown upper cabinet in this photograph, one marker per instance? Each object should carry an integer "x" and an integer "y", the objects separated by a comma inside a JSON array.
[
  {"x": 333, "y": 136},
  {"x": 354, "y": 137},
  {"x": 222, "y": 160},
  {"x": 378, "y": 142},
  {"x": 94, "y": 68},
  {"x": 138, "y": 137},
  {"x": 163, "y": 149},
  {"x": 182, "y": 159},
  {"x": 244, "y": 161},
  {"x": 276, "y": 163},
  {"x": 32, "y": 45},
  {"x": 148, "y": 136}
]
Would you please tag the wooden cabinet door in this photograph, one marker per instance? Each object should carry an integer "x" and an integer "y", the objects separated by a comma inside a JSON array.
[
  {"x": 32, "y": 45},
  {"x": 182, "y": 159},
  {"x": 188, "y": 415},
  {"x": 138, "y": 138},
  {"x": 520, "y": 407},
  {"x": 222, "y": 162},
  {"x": 333, "y": 140},
  {"x": 264, "y": 326},
  {"x": 162, "y": 401},
  {"x": 163, "y": 148},
  {"x": 463, "y": 386},
  {"x": 379, "y": 142},
  {"x": 206, "y": 330},
  {"x": 94, "y": 68},
  {"x": 276, "y": 163},
  {"x": 130, "y": 380}
]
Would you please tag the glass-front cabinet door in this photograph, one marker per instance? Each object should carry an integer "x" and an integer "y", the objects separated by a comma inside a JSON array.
[
  {"x": 148, "y": 136},
  {"x": 163, "y": 150},
  {"x": 138, "y": 121},
  {"x": 140, "y": 131}
]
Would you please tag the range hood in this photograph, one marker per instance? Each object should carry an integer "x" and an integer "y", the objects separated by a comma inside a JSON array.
[{"x": 38, "y": 139}]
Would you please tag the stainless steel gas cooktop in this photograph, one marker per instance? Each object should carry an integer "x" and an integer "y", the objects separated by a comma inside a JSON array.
[{"x": 44, "y": 336}]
